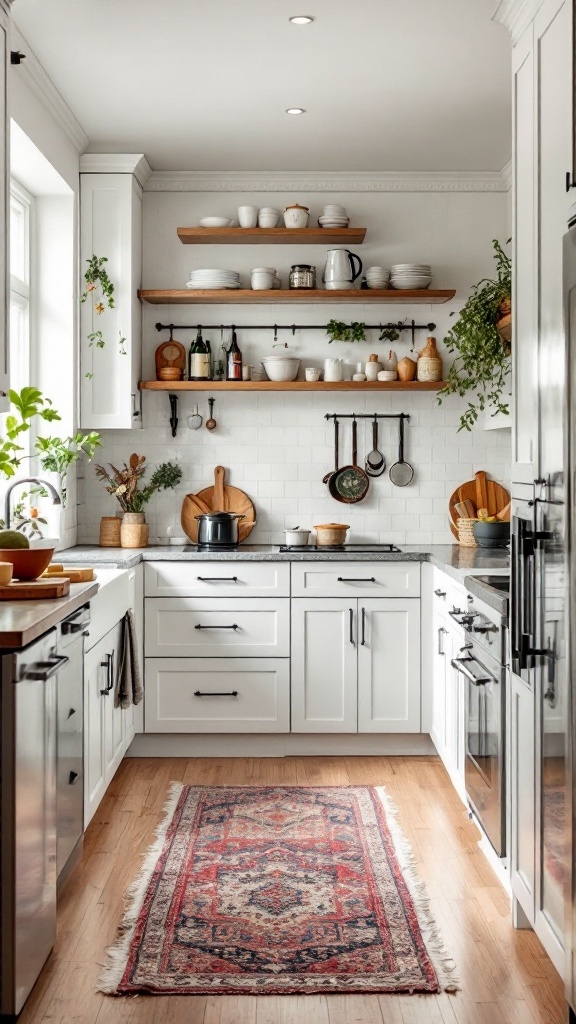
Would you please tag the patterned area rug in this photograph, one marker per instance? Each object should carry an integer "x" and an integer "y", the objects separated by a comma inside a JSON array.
[{"x": 278, "y": 890}]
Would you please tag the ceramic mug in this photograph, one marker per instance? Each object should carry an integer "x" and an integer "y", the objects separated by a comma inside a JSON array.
[
  {"x": 333, "y": 369},
  {"x": 311, "y": 373},
  {"x": 248, "y": 216}
]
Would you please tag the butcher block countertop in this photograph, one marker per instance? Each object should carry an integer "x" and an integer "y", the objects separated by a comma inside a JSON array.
[{"x": 21, "y": 622}]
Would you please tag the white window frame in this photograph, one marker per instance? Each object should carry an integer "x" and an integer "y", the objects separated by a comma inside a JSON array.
[{"x": 22, "y": 294}]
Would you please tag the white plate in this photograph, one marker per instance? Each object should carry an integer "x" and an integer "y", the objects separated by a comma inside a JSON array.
[
  {"x": 216, "y": 286},
  {"x": 214, "y": 222}
]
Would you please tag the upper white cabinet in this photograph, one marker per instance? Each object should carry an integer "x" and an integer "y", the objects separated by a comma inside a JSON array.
[
  {"x": 111, "y": 227},
  {"x": 4, "y": 201}
]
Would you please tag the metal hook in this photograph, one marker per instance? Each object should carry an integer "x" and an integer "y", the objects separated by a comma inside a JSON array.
[{"x": 171, "y": 331}]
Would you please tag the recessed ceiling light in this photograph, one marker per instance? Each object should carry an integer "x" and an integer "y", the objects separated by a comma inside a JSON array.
[
  {"x": 295, "y": 110},
  {"x": 301, "y": 19}
]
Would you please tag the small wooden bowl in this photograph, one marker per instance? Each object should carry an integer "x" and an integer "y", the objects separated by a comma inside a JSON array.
[
  {"x": 331, "y": 534},
  {"x": 170, "y": 373}
]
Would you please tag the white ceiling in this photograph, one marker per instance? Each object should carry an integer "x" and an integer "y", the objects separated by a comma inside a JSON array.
[{"x": 388, "y": 85}]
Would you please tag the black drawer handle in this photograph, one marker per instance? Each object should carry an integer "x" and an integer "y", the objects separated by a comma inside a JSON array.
[
  {"x": 360, "y": 579},
  {"x": 440, "y": 593},
  {"x": 71, "y": 712},
  {"x": 216, "y": 693},
  {"x": 73, "y": 778},
  {"x": 235, "y": 626},
  {"x": 217, "y": 579},
  {"x": 363, "y": 640},
  {"x": 352, "y": 626}
]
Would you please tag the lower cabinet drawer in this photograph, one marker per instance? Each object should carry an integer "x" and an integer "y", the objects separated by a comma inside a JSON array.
[
  {"x": 355, "y": 579},
  {"x": 221, "y": 627},
  {"x": 217, "y": 695}
]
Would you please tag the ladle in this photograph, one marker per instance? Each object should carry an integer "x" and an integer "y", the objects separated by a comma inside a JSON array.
[
  {"x": 211, "y": 422},
  {"x": 375, "y": 462}
]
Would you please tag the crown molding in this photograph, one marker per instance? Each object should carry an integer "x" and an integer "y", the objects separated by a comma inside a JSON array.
[
  {"x": 516, "y": 16},
  {"x": 336, "y": 181},
  {"x": 117, "y": 163},
  {"x": 506, "y": 174},
  {"x": 35, "y": 77}
]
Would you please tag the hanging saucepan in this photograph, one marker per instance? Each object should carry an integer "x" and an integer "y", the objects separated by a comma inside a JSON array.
[
  {"x": 350, "y": 484},
  {"x": 401, "y": 473}
]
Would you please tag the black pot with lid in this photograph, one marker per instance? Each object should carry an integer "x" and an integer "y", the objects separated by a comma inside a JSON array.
[
  {"x": 218, "y": 530},
  {"x": 302, "y": 275}
]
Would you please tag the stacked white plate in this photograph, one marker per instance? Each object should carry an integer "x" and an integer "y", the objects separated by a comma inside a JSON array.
[
  {"x": 213, "y": 279},
  {"x": 334, "y": 216},
  {"x": 377, "y": 277},
  {"x": 411, "y": 275}
]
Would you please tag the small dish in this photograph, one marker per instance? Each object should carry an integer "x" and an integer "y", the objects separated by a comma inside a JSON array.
[{"x": 214, "y": 222}]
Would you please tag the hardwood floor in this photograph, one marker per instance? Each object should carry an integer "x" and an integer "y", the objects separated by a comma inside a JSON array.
[{"x": 505, "y": 975}]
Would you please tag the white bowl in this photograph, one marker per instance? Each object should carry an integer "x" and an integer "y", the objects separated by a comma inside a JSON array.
[
  {"x": 281, "y": 368},
  {"x": 268, "y": 220},
  {"x": 214, "y": 222},
  {"x": 297, "y": 538}
]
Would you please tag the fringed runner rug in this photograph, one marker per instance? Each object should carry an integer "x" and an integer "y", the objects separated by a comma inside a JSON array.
[{"x": 278, "y": 890}]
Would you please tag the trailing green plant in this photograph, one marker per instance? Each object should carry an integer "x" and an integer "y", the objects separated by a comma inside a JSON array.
[
  {"x": 482, "y": 363},
  {"x": 57, "y": 454},
  {"x": 337, "y": 330},
  {"x": 391, "y": 332},
  {"x": 124, "y": 483},
  {"x": 100, "y": 289}
]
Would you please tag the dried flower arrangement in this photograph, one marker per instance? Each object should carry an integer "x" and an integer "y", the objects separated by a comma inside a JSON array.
[{"x": 124, "y": 483}]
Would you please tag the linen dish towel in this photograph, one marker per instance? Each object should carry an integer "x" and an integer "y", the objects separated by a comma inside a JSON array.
[{"x": 129, "y": 683}]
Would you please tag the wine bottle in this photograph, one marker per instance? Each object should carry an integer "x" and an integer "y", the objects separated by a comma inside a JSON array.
[
  {"x": 210, "y": 363},
  {"x": 198, "y": 366},
  {"x": 234, "y": 360}
]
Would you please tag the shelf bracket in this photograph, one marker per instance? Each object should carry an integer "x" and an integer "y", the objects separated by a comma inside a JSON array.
[{"x": 173, "y": 399}]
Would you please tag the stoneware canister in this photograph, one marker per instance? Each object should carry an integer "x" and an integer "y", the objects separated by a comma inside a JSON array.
[
  {"x": 406, "y": 369},
  {"x": 372, "y": 368},
  {"x": 429, "y": 362},
  {"x": 110, "y": 532},
  {"x": 134, "y": 530}
]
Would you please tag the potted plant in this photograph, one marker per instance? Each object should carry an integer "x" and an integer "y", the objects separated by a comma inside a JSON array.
[
  {"x": 482, "y": 361},
  {"x": 124, "y": 485}
]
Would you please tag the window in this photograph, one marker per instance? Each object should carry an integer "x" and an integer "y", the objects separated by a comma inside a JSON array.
[{"x": 21, "y": 219}]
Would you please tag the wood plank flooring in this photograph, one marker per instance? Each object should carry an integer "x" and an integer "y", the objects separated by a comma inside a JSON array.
[{"x": 506, "y": 977}]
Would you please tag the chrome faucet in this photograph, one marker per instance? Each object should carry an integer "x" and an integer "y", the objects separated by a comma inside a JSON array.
[{"x": 28, "y": 480}]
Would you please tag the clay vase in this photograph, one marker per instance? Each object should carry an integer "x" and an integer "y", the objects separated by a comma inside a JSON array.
[
  {"x": 134, "y": 530},
  {"x": 429, "y": 362},
  {"x": 406, "y": 369}
]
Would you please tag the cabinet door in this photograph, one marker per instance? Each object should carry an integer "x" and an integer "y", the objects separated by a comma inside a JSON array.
[
  {"x": 4, "y": 210},
  {"x": 94, "y": 726},
  {"x": 111, "y": 227},
  {"x": 524, "y": 280},
  {"x": 522, "y": 795},
  {"x": 389, "y": 665},
  {"x": 439, "y": 671},
  {"x": 324, "y": 670}
]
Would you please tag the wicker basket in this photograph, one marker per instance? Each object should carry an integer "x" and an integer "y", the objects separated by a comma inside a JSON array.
[
  {"x": 466, "y": 533},
  {"x": 134, "y": 530},
  {"x": 110, "y": 532}
]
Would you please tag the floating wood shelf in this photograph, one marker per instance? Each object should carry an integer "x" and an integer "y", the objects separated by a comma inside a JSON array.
[
  {"x": 292, "y": 385},
  {"x": 271, "y": 236},
  {"x": 277, "y": 296}
]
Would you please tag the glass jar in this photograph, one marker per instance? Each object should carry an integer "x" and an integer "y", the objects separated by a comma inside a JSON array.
[{"x": 302, "y": 275}]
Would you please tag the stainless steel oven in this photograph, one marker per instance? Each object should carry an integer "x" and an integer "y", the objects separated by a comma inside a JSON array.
[{"x": 483, "y": 679}]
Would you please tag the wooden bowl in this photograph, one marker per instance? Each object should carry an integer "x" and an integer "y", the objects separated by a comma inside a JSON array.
[
  {"x": 170, "y": 373},
  {"x": 28, "y": 563},
  {"x": 331, "y": 534}
]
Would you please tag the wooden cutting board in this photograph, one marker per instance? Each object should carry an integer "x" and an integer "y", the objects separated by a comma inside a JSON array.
[
  {"x": 219, "y": 498},
  {"x": 75, "y": 575},
  {"x": 490, "y": 494},
  {"x": 34, "y": 590}
]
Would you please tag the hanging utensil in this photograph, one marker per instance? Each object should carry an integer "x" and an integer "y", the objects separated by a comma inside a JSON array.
[
  {"x": 211, "y": 422},
  {"x": 195, "y": 420},
  {"x": 375, "y": 462},
  {"x": 326, "y": 478},
  {"x": 350, "y": 484},
  {"x": 401, "y": 473}
]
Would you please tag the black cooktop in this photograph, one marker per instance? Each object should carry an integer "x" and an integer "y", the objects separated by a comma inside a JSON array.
[{"x": 353, "y": 548}]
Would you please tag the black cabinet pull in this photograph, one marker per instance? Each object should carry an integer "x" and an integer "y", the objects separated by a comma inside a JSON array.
[
  {"x": 71, "y": 712},
  {"x": 570, "y": 182},
  {"x": 217, "y": 579},
  {"x": 216, "y": 693},
  {"x": 440, "y": 593},
  {"x": 360, "y": 579},
  {"x": 352, "y": 626},
  {"x": 235, "y": 626},
  {"x": 363, "y": 640},
  {"x": 109, "y": 666},
  {"x": 72, "y": 778}
]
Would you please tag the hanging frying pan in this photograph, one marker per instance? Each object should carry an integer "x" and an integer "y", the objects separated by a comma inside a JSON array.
[
  {"x": 401, "y": 473},
  {"x": 350, "y": 484}
]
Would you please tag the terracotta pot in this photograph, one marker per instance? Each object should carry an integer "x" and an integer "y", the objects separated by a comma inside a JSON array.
[
  {"x": 134, "y": 530},
  {"x": 406, "y": 369},
  {"x": 331, "y": 533}
]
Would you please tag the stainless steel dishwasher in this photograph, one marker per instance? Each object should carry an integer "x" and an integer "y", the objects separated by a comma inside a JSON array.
[
  {"x": 70, "y": 743},
  {"x": 29, "y": 848}
]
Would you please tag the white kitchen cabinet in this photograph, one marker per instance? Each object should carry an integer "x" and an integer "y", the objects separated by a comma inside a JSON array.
[
  {"x": 217, "y": 579},
  {"x": 200, "y": 627},
  {"x": 4, "y": 206},
  {"x": 448, "y": 695},
  {"x": 355, "y": 665},
  {"x": 324, "y": 665},
  {"x": 355, "y": 579},
  {"x": 104, "y": 729},
  {"x": 389, "y": 665},
  {"x": 439, "y": 672},
  {"x": 111, "y": 227},
  {"x": 217, "y": 695}
]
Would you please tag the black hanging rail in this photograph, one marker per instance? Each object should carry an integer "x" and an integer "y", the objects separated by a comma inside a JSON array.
[
  {"x": 408, "y": 326},
  {"x": 367, "y": 416}
]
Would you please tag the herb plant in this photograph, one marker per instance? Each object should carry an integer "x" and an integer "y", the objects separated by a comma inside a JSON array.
[
  {"x": 482, "y": 364},
  {"x": 124, "y": 483},
  {"x": 337, "y": 330}
]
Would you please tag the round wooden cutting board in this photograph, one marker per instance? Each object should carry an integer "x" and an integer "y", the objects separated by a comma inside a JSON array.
[
  {"x": 219, "y": 498},
  {"x": 483, "y": 493}
]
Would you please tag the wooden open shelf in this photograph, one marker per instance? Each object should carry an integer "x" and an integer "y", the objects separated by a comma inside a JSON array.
[
  {"x": 271, "y": 236},
  {"x": 246, "y": 296},
  {"x": 291, "y": 385}
]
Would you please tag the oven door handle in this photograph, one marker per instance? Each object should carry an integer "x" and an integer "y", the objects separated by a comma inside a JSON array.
[{"x": 458, "y": 664}]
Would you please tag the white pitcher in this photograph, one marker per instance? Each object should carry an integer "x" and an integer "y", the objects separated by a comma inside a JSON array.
[
  {"x": 339, "y": 271},
  {"x": 333, "y": 369}
]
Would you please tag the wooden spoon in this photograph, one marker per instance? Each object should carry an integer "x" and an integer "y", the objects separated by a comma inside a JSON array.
[
  {"x": 218, "y": 502},
  {"x": 211, "y": 422}
]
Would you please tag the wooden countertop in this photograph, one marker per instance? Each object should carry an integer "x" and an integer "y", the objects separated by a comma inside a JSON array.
[{"x": 21, "y": 622}]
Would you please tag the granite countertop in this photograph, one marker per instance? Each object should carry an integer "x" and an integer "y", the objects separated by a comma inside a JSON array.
[
  {"x": 21, "y": 622},
  {"x": 458, "y": 562}
]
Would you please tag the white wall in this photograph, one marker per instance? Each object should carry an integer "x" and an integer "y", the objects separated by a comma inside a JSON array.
[{"x": 277, "y": 447}]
